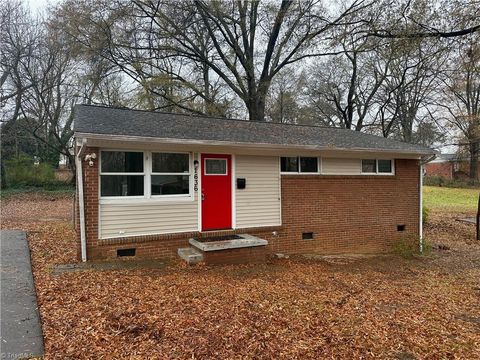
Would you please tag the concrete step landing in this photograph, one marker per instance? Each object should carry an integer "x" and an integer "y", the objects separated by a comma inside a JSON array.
[{"x": 190, "y": 255}]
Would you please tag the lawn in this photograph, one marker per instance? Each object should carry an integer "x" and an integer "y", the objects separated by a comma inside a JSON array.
[
  {"x": 382, "y": 307},
  {"x": 449, "y": 200}
]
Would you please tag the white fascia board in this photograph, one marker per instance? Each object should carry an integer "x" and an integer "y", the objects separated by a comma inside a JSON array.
[{"x": 253, "y": 146}]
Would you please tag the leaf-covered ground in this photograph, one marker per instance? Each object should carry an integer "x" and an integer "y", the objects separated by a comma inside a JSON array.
[{"x": 383, "y": 307}]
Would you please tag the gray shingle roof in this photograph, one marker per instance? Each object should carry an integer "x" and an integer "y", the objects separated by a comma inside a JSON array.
[{"x": 113, "y": 121}]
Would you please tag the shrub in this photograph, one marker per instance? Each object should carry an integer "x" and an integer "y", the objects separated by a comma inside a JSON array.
[
  {"x": 23, "y": 172},
  {"x": 451, "y": 183},
  {"x": 409, "y": 246},
  {"x": 425, "y": 214}
]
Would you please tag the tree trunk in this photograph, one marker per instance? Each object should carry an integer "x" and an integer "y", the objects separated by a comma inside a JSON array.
[
  {"x": 3, "y": 179},
  {"x": 474, "y": 152}
]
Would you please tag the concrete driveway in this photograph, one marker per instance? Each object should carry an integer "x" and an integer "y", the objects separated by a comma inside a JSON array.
[{"x": 21, "y": 331}]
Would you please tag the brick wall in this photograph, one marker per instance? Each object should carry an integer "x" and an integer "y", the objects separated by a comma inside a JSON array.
[
  {"x": 443, "y": 169},
  {"x": 347, "y": 214}
]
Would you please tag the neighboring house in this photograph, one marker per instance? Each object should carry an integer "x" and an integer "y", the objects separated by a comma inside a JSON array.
[
  {"x": 234, "y": 190},
  {"x": 449, "y": 166}
]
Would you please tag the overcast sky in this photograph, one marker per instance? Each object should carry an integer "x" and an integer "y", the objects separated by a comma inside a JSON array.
[{"x": 39, "y": 5}]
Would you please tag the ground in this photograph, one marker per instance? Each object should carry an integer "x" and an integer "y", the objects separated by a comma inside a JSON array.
[{"x": 381, "y": 307}]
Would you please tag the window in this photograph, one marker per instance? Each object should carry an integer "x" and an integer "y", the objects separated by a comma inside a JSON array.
[
  {"x": 127, "y": 174},
  {"x": 308, "y": 164},
  {"x": 299, "y": 164},
  {"x": 170, "y": 174},
  {"x": 369, "y": 166},
  {"x": 121, "y": 173},
  {"x": 372, "y": 166},
  {"x": 215, "y": 167},
  {"x": 289, "y": 164},
  {"x": 384, "y": 166}
]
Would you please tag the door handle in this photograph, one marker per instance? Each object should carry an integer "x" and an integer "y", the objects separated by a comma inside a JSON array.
[{"x": 203, "y": 197}]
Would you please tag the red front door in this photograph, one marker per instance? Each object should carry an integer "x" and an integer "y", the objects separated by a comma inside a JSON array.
[{"x": 216, "y": 192}]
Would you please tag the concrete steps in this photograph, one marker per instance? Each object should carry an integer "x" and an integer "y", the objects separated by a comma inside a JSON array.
[{"x": 190, "y": 255}]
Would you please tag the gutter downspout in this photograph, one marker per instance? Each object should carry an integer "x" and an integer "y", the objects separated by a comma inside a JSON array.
[
  {"x": 81, "y": 203},
  {"x": 420, "y": 185}
]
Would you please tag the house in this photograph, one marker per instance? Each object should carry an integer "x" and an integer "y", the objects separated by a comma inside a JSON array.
[
  {"x": 151, "y": 183},
  {"x": 449, "y": 166}
]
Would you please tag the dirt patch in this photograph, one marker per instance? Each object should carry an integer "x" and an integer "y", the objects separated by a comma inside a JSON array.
[{"x": 382, "y": 307}]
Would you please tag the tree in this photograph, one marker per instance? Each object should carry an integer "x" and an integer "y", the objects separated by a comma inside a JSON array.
[
  {"x": 17, "y": 41},
  {"x": 462, "y": 95},
  {"x": 177, "y": 50}
]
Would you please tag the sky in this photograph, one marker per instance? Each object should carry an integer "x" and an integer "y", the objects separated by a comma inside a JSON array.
[{"x": 39, "y": 5}]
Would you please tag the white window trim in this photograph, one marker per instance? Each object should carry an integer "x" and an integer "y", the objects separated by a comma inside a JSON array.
[
  {"x": 299, "y": 172},
  {"x": 147, "y": 173},
  {"x": 377, "y": 173},
  {"x": 188, "y": 196},
  {"x": 219, "y": 158},
  {"x": 100, "y": 173}
]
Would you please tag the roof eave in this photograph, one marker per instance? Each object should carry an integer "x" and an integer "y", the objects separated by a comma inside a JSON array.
[{"x": 146, "y": 139}]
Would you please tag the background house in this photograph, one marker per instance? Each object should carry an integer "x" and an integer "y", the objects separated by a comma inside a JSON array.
[{"x": 449, "y": 166}]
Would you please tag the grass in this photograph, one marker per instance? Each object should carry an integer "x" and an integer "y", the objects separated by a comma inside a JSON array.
[{"x": 450, "y": 199}]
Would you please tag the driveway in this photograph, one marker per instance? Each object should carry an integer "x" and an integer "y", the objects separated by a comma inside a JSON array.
[{"x": 21, "y": 332}]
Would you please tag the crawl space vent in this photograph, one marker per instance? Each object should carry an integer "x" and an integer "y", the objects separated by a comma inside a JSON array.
[
  {"x": 126, "y": 252},
  {"x": 307, "y": 236},
  {"x": 400, "y": 227}
]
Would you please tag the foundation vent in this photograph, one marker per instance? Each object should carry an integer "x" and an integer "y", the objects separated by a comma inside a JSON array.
[
  {"x": 307, "y": 236},
  {"x": 126, "y": 252}
]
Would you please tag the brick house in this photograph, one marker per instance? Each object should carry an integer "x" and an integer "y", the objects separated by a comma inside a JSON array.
[
  {"x": 449, "y": 166},
  {"x": 153, "y": 185}
]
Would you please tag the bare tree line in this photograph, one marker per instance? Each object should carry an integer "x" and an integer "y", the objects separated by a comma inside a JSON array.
[{"x": 409, "y": 70}]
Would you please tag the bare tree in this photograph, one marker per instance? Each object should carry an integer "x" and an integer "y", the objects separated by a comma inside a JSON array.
[
  {"x": 462, "y": 95},
  {"x": 17, "y": 44}
]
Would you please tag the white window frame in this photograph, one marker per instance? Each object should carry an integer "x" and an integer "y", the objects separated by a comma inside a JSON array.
[
  {"x": 147, "y": 180},
  {"x": 189, "y": 174},
  {"x": 219, "y": 158},
  {"x": 376, "y": 173},
  {"x": 100, "y": 173},
  {"x": 299, "y": 172}
]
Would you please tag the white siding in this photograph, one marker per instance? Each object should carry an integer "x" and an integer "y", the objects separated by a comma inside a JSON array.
[
  {"x": 119, "y": 220},
  {"x": 259, "y": 203},
  {"x": 340, "y": 166}
]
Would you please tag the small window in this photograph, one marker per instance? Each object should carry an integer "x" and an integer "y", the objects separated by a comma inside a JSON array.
[
  {"x": 372, "y": 166},
  {"x": 299, "y": 165},
  {"x": 308, "y": 164},
  {"x": 170, "y": 174},
  {"x": 121, "y": 173},
  {"x": 289, "y": 164},
  {"x": 215, "y": 167},
  {"x": 369, "y": 166},
  {"x": 385, "y": 166}
]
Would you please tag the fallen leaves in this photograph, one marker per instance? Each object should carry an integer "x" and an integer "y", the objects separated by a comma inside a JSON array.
[{"x": 384, "y": 307}]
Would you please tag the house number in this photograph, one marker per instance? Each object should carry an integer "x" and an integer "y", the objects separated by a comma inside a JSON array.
[{"x": 195, "y": 181}]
